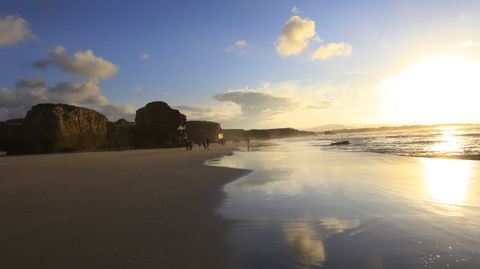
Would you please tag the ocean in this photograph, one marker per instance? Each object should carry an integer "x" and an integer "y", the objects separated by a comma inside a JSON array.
[
  {"x": 460, "y": 141},
  {"x": 309, "y": 205}
]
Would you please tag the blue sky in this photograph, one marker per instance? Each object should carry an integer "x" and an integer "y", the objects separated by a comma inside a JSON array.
[{"x": 193, "y": 63}]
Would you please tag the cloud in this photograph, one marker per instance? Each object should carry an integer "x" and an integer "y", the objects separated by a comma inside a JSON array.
[
  {"x": 331, "y": 50},
  {"x": 144, "y": 56},
  {"x": 28, "y": 92},
  {"x": 239, "y": 44},
  {"x": 295, "y": 36},
  {"x": 30, "y": 82},
  {"x": 269, "y": 105},
  {"x": 255, "y": 103},
  {"x": 87, "y": 92},
  {"x": 14, "y": 29},
  {"x": 82, "y": 63},
  {"x": 317, "y": 39},
  {"x": 225, "y": 111},
  {"x": 276, "y": 98},
  {"x": 295, "y": 10}
]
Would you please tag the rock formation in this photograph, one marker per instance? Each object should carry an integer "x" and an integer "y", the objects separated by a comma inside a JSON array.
[
  {"x": 120, "y": 134},
  {"x": 158, "y": 125},
  {"x": 10, "y": 131},
  {"x": 199, "y": 131},
  {"x": 340, "y": 143},
  {"x": 57, "y": 128}
]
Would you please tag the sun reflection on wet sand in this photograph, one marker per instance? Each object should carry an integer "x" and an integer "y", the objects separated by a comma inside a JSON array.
[{"x": 447, "y": 181}]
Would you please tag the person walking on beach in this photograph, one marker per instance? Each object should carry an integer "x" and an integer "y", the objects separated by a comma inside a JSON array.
[
  {"x": 188, "y": 144},
  {"x": 208, "y": 143},
  {"x": 204, "y": 144}
]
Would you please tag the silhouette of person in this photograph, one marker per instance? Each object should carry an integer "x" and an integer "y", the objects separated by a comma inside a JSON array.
[
  {"x": 186, "y": 144},
  {"x": 208, "y": 143}
]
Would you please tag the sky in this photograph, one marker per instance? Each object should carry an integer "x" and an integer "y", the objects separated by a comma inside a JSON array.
[{"x": 246, "y": 63}]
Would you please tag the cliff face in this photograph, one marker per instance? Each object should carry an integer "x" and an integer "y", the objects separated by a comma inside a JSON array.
[
  {"x": 199, "y": 131},
  {"x": 158, "y": 125},
  {"x": 10, "y": 134},
  {"x": 60, "y": 127},
  {"x": 120, "y": 134}
]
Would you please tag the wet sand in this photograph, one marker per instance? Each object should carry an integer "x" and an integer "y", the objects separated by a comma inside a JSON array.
[
  {"x": 307, "y": 207},
  {"x": 125, "y": 209}
]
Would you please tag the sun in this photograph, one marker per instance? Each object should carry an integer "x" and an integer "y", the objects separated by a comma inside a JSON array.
[{"x": 439, "y": 90}]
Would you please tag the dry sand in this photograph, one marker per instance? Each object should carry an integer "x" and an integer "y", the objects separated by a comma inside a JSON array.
[{"x": 125, "y": 209}]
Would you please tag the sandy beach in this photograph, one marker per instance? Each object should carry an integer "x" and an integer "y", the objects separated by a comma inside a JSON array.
[{"x": 119, "y": 209}]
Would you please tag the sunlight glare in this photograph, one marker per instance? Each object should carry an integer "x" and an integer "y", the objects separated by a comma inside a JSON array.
[
  {"x": 440, "y": 90},
  {"x": 448, "y": 143},
  {"x": 447, "y": 181}
]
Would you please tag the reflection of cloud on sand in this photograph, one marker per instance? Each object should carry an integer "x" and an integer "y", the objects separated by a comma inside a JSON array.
[
  {"x": 307, "y": 243},
  {"x": 303, "y": 240},
  {"x": 263, "y": 178},
  {"x": 339, "y": 225}
]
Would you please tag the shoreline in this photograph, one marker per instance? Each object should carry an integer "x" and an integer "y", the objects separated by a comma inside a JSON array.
[{"x": 115, "y": 209}]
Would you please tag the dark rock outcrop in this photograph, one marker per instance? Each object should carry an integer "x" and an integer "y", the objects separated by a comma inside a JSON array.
[
  {"x": 120, "y": 134},
  {"x": 199, "y": 131},
  {"x": 340, "y": 143},
  {"x": 10, "y": 134},
  {"x": 158, "y": 125},
  {"x": 58, "y": 128}
]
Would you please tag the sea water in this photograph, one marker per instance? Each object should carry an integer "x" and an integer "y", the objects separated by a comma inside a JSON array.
[
  {"x": 457, "y": 141},
  {"x": 306, "y": 206}
]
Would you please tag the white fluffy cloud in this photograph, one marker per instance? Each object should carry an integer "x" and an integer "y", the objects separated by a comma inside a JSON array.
[
  {"x": 28, "y": 92},
  {"x": 331, "y": 50},
  {"x": 295, "y": 36},
  {"x": 239, "y": 44},
  {"x": 82, "y": 63},
  {"x": 14, "y": 29}
]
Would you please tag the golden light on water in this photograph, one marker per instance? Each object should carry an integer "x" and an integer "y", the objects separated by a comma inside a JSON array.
[
  {"x": 447, "y": 181},
  {"x": 449, "y": 142}
]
